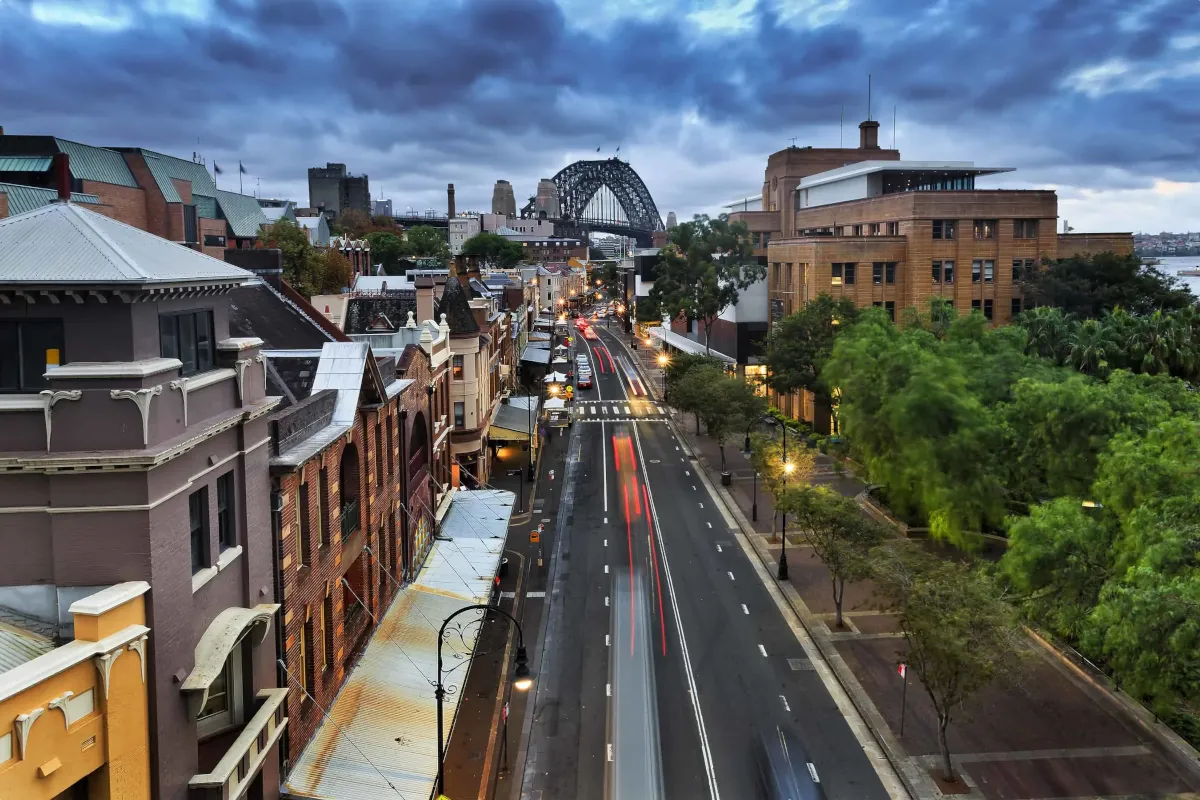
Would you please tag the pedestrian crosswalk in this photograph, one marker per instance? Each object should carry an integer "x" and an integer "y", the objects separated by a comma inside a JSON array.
[{"x": 614, "y": 412}]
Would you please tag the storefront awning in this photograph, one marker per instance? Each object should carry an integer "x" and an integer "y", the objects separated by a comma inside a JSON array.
[
  {"x": 686, "y": 345},
  {"x": 515, "y": 420},
  {"x": 536, "y": 355},
  {"x": 382, "y": 728}
]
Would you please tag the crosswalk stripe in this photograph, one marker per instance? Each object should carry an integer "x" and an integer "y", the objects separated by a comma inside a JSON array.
[
  {"x": 627, "y": 411},
  {"x": 591, "y": 409},
  {"x": 604, "y": 409}
]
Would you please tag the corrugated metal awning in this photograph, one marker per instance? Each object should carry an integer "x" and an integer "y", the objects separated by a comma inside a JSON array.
[{"x": 382, "y": 728}]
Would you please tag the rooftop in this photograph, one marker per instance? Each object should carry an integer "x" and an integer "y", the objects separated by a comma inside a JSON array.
[
  {"x": 912, "y": 173},
  {"x": 28, "y": 198}
]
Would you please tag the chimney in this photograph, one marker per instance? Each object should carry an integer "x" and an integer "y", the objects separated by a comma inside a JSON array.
[
  {"x": 450, "y": 200},
  {"x": 424, "y": 298},
  {"x": 62, "y": 176},
  {"x": 868, "y": 135}
]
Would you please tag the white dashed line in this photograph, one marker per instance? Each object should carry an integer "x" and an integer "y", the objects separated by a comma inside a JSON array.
[
  {"x": 627, "y": 411},
  {"x": 719, "y": 549},
  {"x": 688, "y": 472},
  {"x": 606, "y": 603},
  {"x": 610, "y": 751},
  {"x": 693, "y": 487},
  {"x": 709, "y": 524},
  {"x": 730, "y": 574},
  {"x": 606, "y": 569},
  {"x": 745, "y": 610},
  {"x": 786, "y": 707},
  {"x": 608, "y": 641},
  {"x": 762, "y": 650},
  {"x": 608, "y": 691},
  {"x": 702, "y": 504}
]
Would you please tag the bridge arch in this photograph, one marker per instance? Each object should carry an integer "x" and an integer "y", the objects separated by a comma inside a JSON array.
[{"x": 578, "y": 183}]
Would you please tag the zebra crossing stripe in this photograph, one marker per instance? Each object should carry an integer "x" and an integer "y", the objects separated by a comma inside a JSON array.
[
  {"x": 604, "y": 409},
  {"x": 627, "y": 411},
  {"x": 591, "y": 409}
]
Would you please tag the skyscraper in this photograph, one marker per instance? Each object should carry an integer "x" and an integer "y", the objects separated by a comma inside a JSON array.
[{"x": 671, "y": 221}]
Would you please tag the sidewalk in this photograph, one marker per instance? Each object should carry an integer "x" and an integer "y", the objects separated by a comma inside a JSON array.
[{"x": 1051, "y": 736}]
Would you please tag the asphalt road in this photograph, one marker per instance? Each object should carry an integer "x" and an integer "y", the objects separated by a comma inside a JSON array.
[{"x": 682, "y": 681}]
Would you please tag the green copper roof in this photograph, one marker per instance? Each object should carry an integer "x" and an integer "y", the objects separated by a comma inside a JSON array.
[
  {"x": 24, "y": 163},
  {"x": 164, "y": 168},
  {"x": 206, "y": 207},
  {"x": 97, "y": 164},
  {"x": 243, "y": 213},
  {"x": 27, "y": 198}
]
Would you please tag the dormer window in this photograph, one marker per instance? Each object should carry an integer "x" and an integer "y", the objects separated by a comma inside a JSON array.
[{"x": 188, "y": 336}]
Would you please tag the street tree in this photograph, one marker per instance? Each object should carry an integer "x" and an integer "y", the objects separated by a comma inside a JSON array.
[
  {"x": 493, "y": 251},
  {"x": 704, "y": 268},
  {"x": 681, "y": 364},
  {"x": 331, "y": 271},
  {"x": 837, "y": 531},
  {"x": 960, "y": 633},
  {"x": 692, "y": 393},
  {"x": 729, "y": 407},
  {"x": 354, "y": 222},
  {"x": 766, "y": 456},
  {"x": 1090, "y": 286},
  {"x": 426, "y": 241},
  {"x": 388, "y": 250},
  {"x": 798, "y": 346}
]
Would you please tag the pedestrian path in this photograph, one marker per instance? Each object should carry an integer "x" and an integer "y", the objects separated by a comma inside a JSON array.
[{"x": 625, "y": 410}]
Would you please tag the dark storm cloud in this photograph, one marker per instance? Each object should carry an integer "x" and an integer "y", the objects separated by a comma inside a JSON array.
[{"x": 504, "y": 87}]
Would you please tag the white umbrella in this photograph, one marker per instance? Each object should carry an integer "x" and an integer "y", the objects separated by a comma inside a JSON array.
[
  {"x": 561, "y": 347},
  {"x": 555, "y": 377},
  {"x": 559, "y": 360},
  {"x": 554, "y": 403}
]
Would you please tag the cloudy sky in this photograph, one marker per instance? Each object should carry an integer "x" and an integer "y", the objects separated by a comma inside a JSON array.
[{"x": 1097, "y": 98}]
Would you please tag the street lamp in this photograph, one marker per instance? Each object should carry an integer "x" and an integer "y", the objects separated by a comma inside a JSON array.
[
  {"x": 522, "y": 678},
  {"x": 788, "y": 467},
  {"x": 754, "y": 487}
]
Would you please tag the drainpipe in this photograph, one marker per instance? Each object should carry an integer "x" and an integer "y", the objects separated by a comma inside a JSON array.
[{"x": 280, "y": 639}]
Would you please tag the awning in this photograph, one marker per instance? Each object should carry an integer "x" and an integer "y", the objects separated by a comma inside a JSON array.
[
  {"x": 536, "y": 355},
  {"x": 687, "y": 345},
  {"x": 385, "y": 718},
  {"x": 515, "y": 420},
  {"x": 217, "y": 643},
  {"x": 555, "y": 377},
  {"x": 554, "y": 404}
]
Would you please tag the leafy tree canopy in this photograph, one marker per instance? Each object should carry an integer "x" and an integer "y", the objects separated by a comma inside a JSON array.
[
  {"x": 493, "y": 250},
  {"x": 798, "y": 346},
  {"x": 1089, "y": 286},
  {"x": 426, "y": 241},
  {"x": 388, "y": 250}
]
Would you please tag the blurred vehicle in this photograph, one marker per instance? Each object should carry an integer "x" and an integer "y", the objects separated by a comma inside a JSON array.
[
  {"x": 585, "y": 380},
  {"x": 588, "y": 333},
  {"x": 784, "y": 771}
]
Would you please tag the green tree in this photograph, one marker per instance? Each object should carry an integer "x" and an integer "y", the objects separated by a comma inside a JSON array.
[
  {"x": 766, "y": 456},
  {"x": 800, "y": 344},
  {"x": 300, "y": 267},
  {"x": 704, "y": 268},
  {"x": 1090, "y": 286},
  {"x": 493, "y": 250},
  {"x": 691, "y": 393},
  {"x": 681, "y": 364},
  {"x": 426, "y": 241},
  {"x": 389, "y": 250},
  {"x": 961, "y": 635},
  {"x": 838, "y": 532},
  {"x": 1049, "y": 332},
  {"x": 331, "y": 271},
  {"x": 353, "y": 222},
  {"x": 383, "y": 221},
  {"x": 728, "y": 409}
]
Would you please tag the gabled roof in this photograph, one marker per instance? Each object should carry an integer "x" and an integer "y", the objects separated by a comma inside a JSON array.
[
  {"x": 25, "y": 163},
  {"x": 63, "y": 244},
  {"x": 256, "y": 309},
  {"x": 276, "y": 213},
  {"x": 96, "y": 164},
  {"x": 457, "y": 308},
  {"x": 164, "y": 167},
  {"x": 206, "y": 207},
  {"x": 362, "y": 313},
  {"x": 243, "y": 212},
  {"x": 27, "y": 198}
]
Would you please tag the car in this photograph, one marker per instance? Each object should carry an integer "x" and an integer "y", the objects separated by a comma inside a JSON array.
[
  {"x": 588, "y": 333},
  {"x": 585, "y": 380},
  {"x": 784, "y": 769}
]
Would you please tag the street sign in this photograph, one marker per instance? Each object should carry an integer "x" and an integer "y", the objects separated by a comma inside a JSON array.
[
  {"x": 512, "y": 473},
  {"x": 903, "y": 670},
  {"x": 535, "y": 537}
]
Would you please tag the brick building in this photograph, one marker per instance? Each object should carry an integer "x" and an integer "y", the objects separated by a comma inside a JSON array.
[
  {"x": 883, "y": 232},
  {"x": 356, "y": 251}
]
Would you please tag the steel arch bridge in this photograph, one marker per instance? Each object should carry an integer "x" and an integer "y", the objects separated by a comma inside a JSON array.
[{"x": 579, "y": 183}]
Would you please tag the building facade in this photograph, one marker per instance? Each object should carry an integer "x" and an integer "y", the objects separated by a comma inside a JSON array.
[
  {"x": 504, "y": 202},
  {"x": 135, "y": 449},
  {"x": 333, "y": 189},
  {"x": 459, "y": 230}
]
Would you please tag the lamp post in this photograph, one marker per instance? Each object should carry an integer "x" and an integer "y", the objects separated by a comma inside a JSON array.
[
  {"x": 782, "y": 573},
  {"x": 522, "y": 679},
  {"x": 662, "y": 370},
  {"x": 754, "y": 482}
]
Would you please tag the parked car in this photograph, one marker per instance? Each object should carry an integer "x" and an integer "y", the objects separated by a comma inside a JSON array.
[
  {"x": 784, "y": 771},
  {"x": 585, "y": 380}
]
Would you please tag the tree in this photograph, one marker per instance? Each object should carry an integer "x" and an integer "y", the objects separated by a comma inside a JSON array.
[
  {"x": 1090, "y": 286},
  {"x": 681, "y": 364},
  {"x": 354, "y": 222},
  {"x": 766, "y": 456},
  {"x": 426, "y": 241},
  {"x": 798, "y": 346},
  {"x": 838, "y": 532},
  {"x": 961, "y": 635},
  {"x": 729, "y": 407},
  {"x": 388, "y": 250},
  {"x": 332, "y": 271},
  {"x": 493, "y": 250},
  {"x": 596, "y": 254},
  {"x": 704, "y": 268},
  {"x": 383, "y": 221},
  {"x": 692, "y": 392}
]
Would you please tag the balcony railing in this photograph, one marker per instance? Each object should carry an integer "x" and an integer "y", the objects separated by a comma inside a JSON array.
[
  {"x": 349, "y": 519},
  {"x": 233, "y": 774}
]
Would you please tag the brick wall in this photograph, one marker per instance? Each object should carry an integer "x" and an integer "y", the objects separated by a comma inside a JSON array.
[
  {"x": 3, "y": 205},
  {"x": 122, "y": 203},
  {"x": 1082, "y": 244},
  {"x": 154, "y": 205}
]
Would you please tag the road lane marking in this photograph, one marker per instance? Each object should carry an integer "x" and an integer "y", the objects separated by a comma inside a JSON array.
[
  {"x": 786, "y": 707},
  {"x": 606, "y": 542},
  {"x": 608, "y": 691},
  {"x": 606, "y": 521},
  {"x": 702, "y": 505},
  {"x": 607, "y": 640},
  {"x": 676, "y": 447},
  {"x": 604, "y": 409},
  {"x": 604, "y": 464},
  {"x": 681, "y": 458},
  {"x": 610, "y": 751},
  {"x": 709, "y": 524},
  {"x": 730, "y": 574},
  {"x": 693, "y": 487},
  {"x": 718, "y": 548},
  {"x": 688, "y": 472},
  {"x": 627, "y": 411},
  {"x": 591, "y": 411},
  {"x": 606, "y": 569},
  {"x": 745, "y": 610},
  {"x": 762, "y": 650},
  {"x": 606, "y": 602}
]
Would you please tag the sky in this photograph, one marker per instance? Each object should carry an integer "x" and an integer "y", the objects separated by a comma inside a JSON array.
[{"x": 1099, "y": 99}]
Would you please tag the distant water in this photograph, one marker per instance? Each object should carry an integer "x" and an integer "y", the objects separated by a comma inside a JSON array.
[{"x": 1173, "y": 264}]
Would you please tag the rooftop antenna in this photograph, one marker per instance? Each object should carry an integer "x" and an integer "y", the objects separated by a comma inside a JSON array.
[
  {"x": 868, "y": 97},
  {"x": 793, "y": 142}
]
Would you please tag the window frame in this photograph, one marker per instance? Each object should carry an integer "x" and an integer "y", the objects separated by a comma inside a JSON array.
[
  {"x": 989, "y": 308},
  {"x": 1025, "y": 228},
  {"x": 201, "y": 548},
  {"x": 303, "y": 514},
  {"x": 977, "y": 270},
  {"x": 948, "y": 269},
  {"x": 890, "y": 307},
  {"x": 989, "y": 270},
  {"x": 889, "y": 273},
  {"x": 945, "y": 229},
  {"x": 323, "y": 506},
  {"x": 1015, "y": 306},
  {"x": 849, "y": 270},
  {"x": 226, "y": 512},
  {"x": 327, "y": 632},
  {"x": 24, "y": 381},
  {"x": 877, "y": 273},
  {"x": 233, "y": 714},
  {"x": 936, "y": 270},
  {"x": 984, "y": 229},
  {"x": 835, "y": 273},
  {"x": 203, "y": 356},
  {"x": 460, "y": 420},
  {"x": 457, "y": 367}
]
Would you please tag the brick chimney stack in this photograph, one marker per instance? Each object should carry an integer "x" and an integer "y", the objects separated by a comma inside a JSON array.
[
  {"x": 868, "y": 135},
  {"x": 62, "y": 176},
  {"x": 450, "y": 200}
]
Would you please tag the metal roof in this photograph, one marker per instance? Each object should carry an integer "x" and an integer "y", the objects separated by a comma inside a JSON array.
[
  {"x": 97, "y": 164},
  {"x": 27, "y": 198},
  {"x": 19, "y": 646},
  {"x": 243, "y": 213},
  {"x": 24, "y": 163},
  {"x": 206, "y": 207},
  {"x": 861, "y": 168},
  {"x": 64, "y": 244},
  {"x": 341, "y": 368},
  {"x": 164, "y": 168},
  {"x": 382, "y": 727}
]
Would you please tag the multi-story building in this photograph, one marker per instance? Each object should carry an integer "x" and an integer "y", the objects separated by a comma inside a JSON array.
[
  {"x": 149, "y": 465},
  {"x": 893, "y": 234},
  {"x": 333, "y": 189},
  {"x": 559, "y": 285},
  {"x": 505, "y": 224},
  {"x": 504, "y": 202},
  {"x": 356, "y": 251},
  {"x": 381, "y": 208},
  {"x": 101, "y": 745},
  {"x": 460, "y": 229}
]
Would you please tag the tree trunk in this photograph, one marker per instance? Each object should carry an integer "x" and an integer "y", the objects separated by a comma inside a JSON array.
[
  {"x": 707, "y": 336},
  {"x": 839, "y": 591},
  {"x": 947, "y": 767},
  {"x": 697, "y": 424},
  {"x": 721, "y": 447}
]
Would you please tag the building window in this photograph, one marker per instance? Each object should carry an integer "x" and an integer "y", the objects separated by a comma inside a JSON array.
[
  {"x": 226, "y": 528},
  {"x": 327, "y": 632},
  {"x": 457, "y": 366},
  {"x": 766, "y": 239},
  {"x": 985, "y": 229},
  {"x": 989, "y": 271},
  {"x": 893, "y": 229},
  {"x": 787, "y": 276},
  {"x": 188, "y": 337},
  {"x": 323, "y": 505},
  {"x": 223, "y": 709},
  {"x": 391, "y": 446},
  {"x": 890, "y": 307},
  {"x": 877, "y": 273},
  {"x": 213, "y": 240},
  {"x": 460, "y": 415},
  {"x": 378, "y": 454},
  {"x": 944, "y": 228},
  {"x": 775, "y": 273},
  {"x": 28, "y": 350},
  {"x": 937, "y": 272},
  {"x": 889, "y": 272},
  {"x": 873, "y": 229},
  {"x": 1025, "y": 228},
  {"x": 848, "y": 271},
  {"x": 303, "y": 511},
  {"x": 307, "y": 657},
  {"x": 975, "y": 305},
  {"x": 835, "y": 272},
  {"x": 976, "y": 271},
  {"x": 1016, "y": 306},
  {"x": 1021, "y": 268},
  {"x": 987, "y": 309},
  {"x": 198, "y": 524},
  {"x": 857, "y": 230},
  {"x": 948, "y": 271}
]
